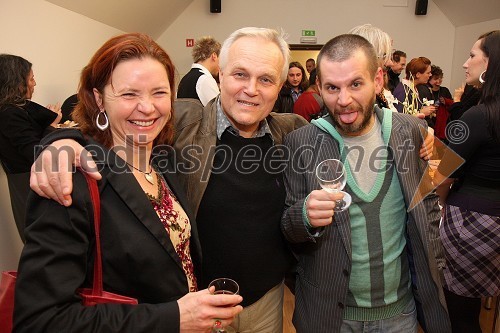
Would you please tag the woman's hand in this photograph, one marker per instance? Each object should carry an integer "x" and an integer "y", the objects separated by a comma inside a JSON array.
[
  {"x": 198, "y": 311},
  {"x": 428, "y": 110},
  {"x": 57, "y": 109},
  {"x": 427, "y": 148},
  {"x": 443, "y": 185},
  {"x": 457, "y": 96}
]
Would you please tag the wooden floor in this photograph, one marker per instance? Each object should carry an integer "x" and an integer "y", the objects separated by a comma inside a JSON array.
[{"x": 486, "y": 315}]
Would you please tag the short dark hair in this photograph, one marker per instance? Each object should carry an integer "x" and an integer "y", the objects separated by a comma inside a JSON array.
[
  {"x": 396, "y": 56},
  {"x": 342, "y": 47},
  {"x": 311, "y": 60},
  {"x": 436, "y": 71}
]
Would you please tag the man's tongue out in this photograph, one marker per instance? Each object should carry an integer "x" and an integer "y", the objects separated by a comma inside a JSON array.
[{"x": 348, "y": 118}]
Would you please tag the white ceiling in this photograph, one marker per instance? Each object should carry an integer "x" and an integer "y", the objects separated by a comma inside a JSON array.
[
  {"x": 465, "y": 12},
  {"x": 155, "y": 16},
  {"x": 152, "y": 17}
]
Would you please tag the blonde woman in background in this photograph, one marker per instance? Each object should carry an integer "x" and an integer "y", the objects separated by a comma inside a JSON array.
[{"x": 382, "y": 43}]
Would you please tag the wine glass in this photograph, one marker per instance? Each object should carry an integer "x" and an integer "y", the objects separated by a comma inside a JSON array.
[
  {"x": 223, "y": 286},
  {"x": 332, "y": 178}
]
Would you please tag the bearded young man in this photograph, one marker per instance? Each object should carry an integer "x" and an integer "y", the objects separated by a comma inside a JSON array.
[{"x": 374, "y": 265}]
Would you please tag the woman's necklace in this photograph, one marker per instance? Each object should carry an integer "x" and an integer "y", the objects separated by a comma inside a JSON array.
[{"x": 147, "y": 175}]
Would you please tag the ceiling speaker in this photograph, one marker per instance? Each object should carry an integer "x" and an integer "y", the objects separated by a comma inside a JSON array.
[
  {"x": 421, "y": 7},
  {"x": 215, "y": 6}
]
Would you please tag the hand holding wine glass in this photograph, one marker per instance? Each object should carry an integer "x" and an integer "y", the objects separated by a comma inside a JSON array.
[
  {"x": 223, "y": 286},
  {"x": 319, "y": 207},
  {"x": 199, "y": 310},
  {"x": 331, "y": 176}
]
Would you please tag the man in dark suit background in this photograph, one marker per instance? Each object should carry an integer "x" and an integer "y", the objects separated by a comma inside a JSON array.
[
  {"x": 374, "y": 265},
  {"x": 398, "y": 66}
]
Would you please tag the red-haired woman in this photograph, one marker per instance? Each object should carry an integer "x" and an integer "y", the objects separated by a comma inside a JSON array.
[
  {"x": 150, "y": 246},
  {"x": 418, "y": 72}
]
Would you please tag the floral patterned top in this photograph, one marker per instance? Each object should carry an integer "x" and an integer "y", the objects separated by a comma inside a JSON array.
[{"x": 176, "y": 223}]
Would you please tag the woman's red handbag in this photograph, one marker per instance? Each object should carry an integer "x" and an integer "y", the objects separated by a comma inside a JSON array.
[
  {"x": 7, "y": 286},
  {"x": 90, "y": 296}
]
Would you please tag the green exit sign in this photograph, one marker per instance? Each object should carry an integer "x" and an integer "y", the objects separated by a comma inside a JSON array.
[{"x": 309, "y": 33}]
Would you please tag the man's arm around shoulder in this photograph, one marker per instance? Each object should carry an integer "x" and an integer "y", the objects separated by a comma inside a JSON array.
[
  {"x": 283, "y": 123},
  {"x": 186, "y": 112}
]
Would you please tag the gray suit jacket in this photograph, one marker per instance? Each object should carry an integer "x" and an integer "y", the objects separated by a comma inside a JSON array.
[
  {"x": 196, "y": 139},
  {"x": 325, "y": 261}
]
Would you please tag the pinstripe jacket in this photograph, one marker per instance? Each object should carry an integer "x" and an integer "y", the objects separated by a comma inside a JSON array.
[{"x": 325, "y": 258}]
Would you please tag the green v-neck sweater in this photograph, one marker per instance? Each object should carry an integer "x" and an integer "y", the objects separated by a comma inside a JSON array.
[{"x": 379, "y": 285}]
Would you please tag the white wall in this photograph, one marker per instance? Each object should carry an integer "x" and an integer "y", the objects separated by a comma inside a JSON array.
[
  {"x": 431, "y": 35},
  {"x": 56, "y": 41},
  {"x": 466, "y": 36}
]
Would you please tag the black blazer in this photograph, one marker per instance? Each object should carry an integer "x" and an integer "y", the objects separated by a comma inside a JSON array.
[
  {"x": 138, "y": 258},
  {"x": 21, "y": 129}
]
